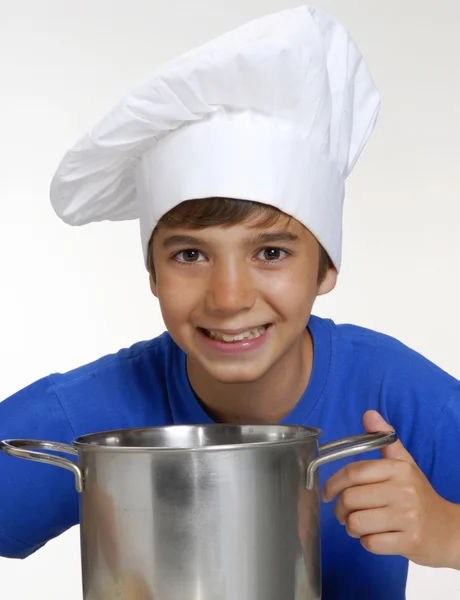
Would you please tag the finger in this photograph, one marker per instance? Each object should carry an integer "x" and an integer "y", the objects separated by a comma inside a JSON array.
[
  {"x": 376, "y": 520},
  {"x": 362, "y": 497},
  {"x": 374, "y": 422},
  {"x": 364, "y": 472},
  {"x": 393, "y": 543}
]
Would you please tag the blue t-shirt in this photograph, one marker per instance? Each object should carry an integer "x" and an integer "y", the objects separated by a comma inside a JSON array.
[{"x": 354, "y": 370}]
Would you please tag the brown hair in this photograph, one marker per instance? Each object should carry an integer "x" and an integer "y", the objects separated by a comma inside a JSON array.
[{"x": 212, "y": 212}]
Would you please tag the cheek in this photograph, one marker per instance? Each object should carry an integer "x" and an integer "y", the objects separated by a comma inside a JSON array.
[
  {"x": 292, "y": 293},
  {"x": 174, "y": 303}
]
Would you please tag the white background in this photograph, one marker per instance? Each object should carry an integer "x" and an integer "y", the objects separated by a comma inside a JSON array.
[{"x": 70, "y": 295}]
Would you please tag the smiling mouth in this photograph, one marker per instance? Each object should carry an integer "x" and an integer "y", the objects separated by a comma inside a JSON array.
[{"x": 249, "y": 334}]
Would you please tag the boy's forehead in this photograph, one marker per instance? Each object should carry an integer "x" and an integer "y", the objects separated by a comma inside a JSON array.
[{"x": 285, "y": 228}]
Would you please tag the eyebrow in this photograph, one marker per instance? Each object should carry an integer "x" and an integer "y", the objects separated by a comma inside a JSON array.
[
  {"x": 270, "y": 237},
  {"x": 264, "y": 237},
  {"x": 181, "y": 240}
]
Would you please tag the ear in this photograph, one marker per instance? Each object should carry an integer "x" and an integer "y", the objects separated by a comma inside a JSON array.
[
  {"x": 153, "y": 286},
  {"x": 329, "y": 282}
]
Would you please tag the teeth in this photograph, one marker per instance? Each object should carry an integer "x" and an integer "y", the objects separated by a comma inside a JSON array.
[{"x": 245, "y": 335}]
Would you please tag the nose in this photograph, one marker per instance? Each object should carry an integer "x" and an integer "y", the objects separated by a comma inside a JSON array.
[{"x": 231, "y": 289}]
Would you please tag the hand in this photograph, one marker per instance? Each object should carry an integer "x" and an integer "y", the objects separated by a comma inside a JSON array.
[{"x": 392, "y": 508}]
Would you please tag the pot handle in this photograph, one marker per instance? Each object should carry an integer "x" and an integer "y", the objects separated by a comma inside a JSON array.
[
  {"x": 349, "y": 446},
  {"x": 16, "y": 448}
]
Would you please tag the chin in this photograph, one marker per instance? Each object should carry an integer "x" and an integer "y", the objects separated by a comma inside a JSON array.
[{"x": 235, "y": 374}]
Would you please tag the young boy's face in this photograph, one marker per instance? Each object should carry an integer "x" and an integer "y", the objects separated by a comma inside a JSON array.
[{"x": 236, "y": 279}]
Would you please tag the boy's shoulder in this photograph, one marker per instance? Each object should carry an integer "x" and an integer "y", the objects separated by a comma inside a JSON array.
[
  {"x": 128, "y": 388},
  {"x": 380, "y": 362},
  {"x": 139, "y": 359},
  {"x": 382, "y": 350}
]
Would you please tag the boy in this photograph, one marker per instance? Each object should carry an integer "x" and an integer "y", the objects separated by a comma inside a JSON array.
[{"x": 233, "y": 157}]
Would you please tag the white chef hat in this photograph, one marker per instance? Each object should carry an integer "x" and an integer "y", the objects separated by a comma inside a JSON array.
[{"x": 276, "y": 111}]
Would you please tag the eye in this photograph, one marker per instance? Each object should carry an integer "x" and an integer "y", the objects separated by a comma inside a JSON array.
[
  {"x": 272, "y": 254},
  {"x": 188, "y": 256}
]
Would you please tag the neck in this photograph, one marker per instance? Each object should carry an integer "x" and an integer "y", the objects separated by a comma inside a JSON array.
[{"x": 267, "y": 400}]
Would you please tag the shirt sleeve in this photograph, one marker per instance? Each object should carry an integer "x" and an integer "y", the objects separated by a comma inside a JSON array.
[
  {"x": 38, "y": 502},
  {"x": 444, "y": 472}
]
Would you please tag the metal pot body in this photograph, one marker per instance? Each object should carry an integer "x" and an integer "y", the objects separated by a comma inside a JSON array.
[{"x": 201, "y": 512}]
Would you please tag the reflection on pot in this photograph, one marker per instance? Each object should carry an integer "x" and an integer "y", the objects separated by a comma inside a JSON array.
[
  {"x": 308, "y": 567},
  {"x": 100, "y": 530},
  {"x": 102, "y": 535},
  {"x": 130, "y": 586}
]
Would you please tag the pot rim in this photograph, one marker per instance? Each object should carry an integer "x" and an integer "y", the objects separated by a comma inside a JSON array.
[{"x": 299, "y": 433}]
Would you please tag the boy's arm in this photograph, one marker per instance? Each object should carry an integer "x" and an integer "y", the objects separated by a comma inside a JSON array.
[
  {"x": 37, "y": 501},
  {"x": 392, "y": 507}
]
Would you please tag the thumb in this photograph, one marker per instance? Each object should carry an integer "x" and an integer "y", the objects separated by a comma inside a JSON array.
[{"x": 374, "y": 422}]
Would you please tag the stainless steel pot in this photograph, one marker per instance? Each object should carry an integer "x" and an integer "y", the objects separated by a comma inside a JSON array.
[{"x": 213, "y": 512}]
